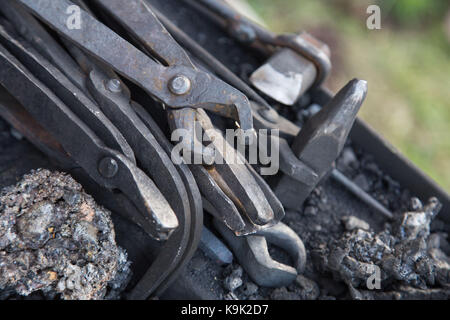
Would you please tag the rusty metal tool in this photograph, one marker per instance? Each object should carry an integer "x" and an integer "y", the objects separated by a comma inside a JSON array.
[
  {"x": 177, "y": 86},
  {"x": 106, "y": 166},
  {"x": 292, "y": 166},
  {"x": 259, "y": 206},
  {"x": 251, "y": 204},
  {"x": 250, "y": 33},
  {"x": 179, "y": 188}
]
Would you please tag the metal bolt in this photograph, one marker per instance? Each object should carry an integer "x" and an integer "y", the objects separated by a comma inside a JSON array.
[
  {"x": 114, "y": 85},
  {"x": 180, "y": 85},
  {"x": 108, "y": 167}
]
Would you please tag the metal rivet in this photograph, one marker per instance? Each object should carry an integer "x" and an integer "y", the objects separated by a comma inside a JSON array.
[
  {"x": 114, "y": 85},
  {"x": 180, "y": 85},
  {"x": 108, "y": 167}
]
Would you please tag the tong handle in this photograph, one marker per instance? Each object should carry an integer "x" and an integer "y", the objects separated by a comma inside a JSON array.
[{"x": 139, "y": 19}]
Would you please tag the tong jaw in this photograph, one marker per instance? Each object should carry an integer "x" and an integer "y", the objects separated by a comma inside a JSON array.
[
  {"x": 252, "y": 252},
  {"x": 193, "y": 88},
  {"x": 233, "y": 191}
]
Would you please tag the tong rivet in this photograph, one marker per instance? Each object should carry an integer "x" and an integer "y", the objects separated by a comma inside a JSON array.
[
  {"x": 108, "y": 167},
  {"x": 180, "y": 85},
  {"x": 114, "y": 85}
]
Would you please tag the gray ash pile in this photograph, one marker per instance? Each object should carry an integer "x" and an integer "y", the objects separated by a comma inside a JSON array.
[
  {"x": 409, "y": 261},
  {"x": 348, "y": 245},
  {"x": 57, "y": 243}
]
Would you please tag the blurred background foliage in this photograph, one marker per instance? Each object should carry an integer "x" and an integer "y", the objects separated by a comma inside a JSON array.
[{"x": 407, "y": 65}]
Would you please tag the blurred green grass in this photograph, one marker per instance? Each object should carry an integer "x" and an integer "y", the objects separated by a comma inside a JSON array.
[{"x": 407, "y": 65}]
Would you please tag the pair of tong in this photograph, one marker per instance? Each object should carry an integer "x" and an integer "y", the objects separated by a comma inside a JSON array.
[
  {"x": 241, "y": 198},
  {"x": 256, "y": 207},
  {"x": 171, "y": 78},
  {"x": 110, "y": 168},
  {"x": 179, "y": 85}
]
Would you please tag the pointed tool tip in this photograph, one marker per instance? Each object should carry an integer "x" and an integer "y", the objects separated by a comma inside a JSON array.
[
  {"x": 356, "y": 90},
  {"x": 359, "y": 85}
]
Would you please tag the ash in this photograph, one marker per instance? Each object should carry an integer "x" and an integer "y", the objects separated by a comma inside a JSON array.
[
  {"x": 56, "y": 242},
  {"x": 409, "y": 258},
  {"x": 347, "y": 243}
]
